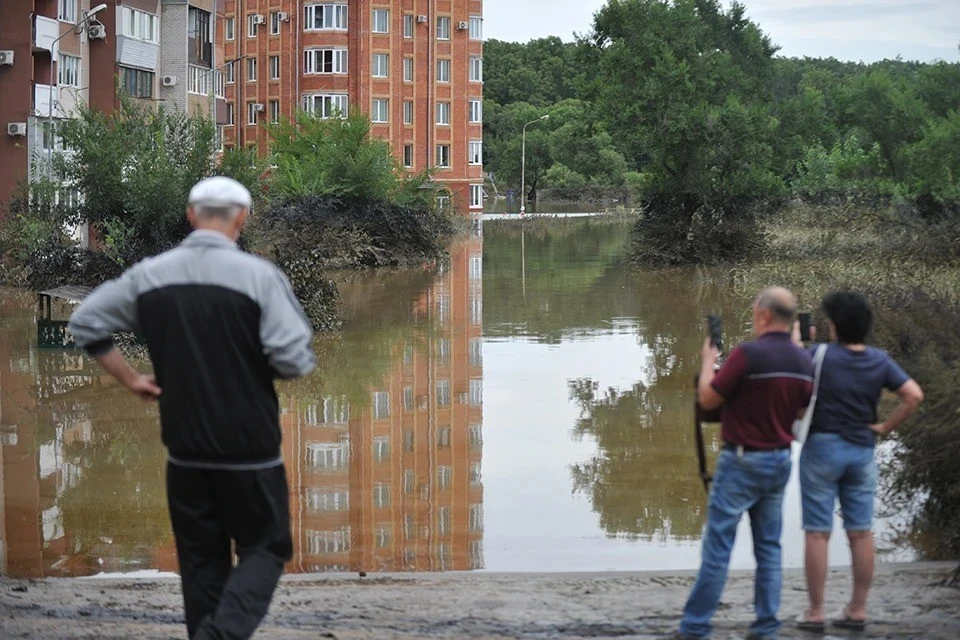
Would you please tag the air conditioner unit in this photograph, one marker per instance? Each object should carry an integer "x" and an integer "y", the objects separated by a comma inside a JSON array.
[
  {"x": 258, "y": 106},
  {"x": 422, "y": 19},
  {"x": 169, "y": 81},
  {"x": 6, "y": 57},
  {"x": 259, "y": 19},
  {"x": 97, "y": 32},
  {"x": 16, "y": 129},
  {"x": 463, "y": 26},
  {"x": 284, "y": 16}
]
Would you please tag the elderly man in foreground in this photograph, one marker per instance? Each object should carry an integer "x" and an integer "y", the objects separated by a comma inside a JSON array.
[
  {"x": 762, "y": 387},
  {"x": 220, "y": 325}
]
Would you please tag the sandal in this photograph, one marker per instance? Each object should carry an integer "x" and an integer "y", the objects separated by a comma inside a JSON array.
[
  {"x": 812, "y": 626},
  {"x": 850, "y": 624}
]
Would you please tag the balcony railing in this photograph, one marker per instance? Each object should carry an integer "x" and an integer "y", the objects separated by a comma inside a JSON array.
[{"x": 45, "y": 31}]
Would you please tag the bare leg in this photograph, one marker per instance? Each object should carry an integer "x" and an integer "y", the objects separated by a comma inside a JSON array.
[
  {"x": 815, "y": 564},
  {"x": 861, "y": 549}
]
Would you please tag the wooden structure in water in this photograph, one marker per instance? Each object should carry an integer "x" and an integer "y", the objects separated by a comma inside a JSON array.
[{"x": 52, "y": 332}]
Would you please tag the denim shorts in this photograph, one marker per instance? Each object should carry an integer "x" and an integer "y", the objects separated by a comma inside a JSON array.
[{"x": 832, "y": 468}]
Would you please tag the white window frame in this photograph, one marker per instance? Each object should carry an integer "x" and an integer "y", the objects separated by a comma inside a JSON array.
[
  {"x": 408, "y": 162},
  {"x": 380, "y": 21},
  {"x": 67, "y": 10},
  {"x": 443, "y": 156},
  {"x": 408, "y": 69},
  {"x": 198, "y": 79},
  {"x": 274, "y": 63},
  {"x": 274, "y": 23},
  {"x": 330, "y": 105},
  {"x": 381, "y": 405},
  {"x": 475, "y": 152},
  {"x": 273, "y": 111},
  {"x": 408, "y": 25},
  {"x": 408, "y": 112},
  {"x": 380, "y": 67},
  {"x": 332, "y": 17},
  {"x": 252, "y": 114},
  {"x": 476, "y": 202},
  {"x": 231, "y": 114},
  {"x": 251, "y": 69},
  {"x": 443, "y": 27},
  {"x": 380, "y": 111},
  {"x": 230, "y": 73},
  {"x": 230, "y": 28},
  {"x": 443, "y": 114},
  {"x": 69, "y": 71},
  {"x": 139, "y": 25},
  {"x": 476, "y": 69},
  {"x": 476, "y": 27},
  {"x": 476, "y": 111},
  {"x": 253, "y": 28},
  {"x": 315, "y": 61},
  {"x": 444, "y": 65}
]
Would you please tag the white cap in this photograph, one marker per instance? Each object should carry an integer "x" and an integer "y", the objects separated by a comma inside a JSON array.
[{"x": 220, "y": 191}]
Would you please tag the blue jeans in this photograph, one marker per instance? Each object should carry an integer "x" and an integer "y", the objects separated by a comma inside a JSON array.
[
  {"x": 753, "y": 482},
  {"x": 832, "y": 468}
]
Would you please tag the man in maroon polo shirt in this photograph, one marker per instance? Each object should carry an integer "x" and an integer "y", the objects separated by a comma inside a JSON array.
[{"x": 762, "y": 388}]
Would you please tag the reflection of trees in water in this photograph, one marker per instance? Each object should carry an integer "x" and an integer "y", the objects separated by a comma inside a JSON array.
[{"x": 643, "y": 481}]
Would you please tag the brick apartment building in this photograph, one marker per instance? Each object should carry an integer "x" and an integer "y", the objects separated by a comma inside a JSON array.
[
  {"x": 415, "y": 66},
  {"x": 159, "y": 51}
]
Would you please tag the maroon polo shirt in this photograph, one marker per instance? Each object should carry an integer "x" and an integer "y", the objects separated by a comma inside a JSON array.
[{"x": 765, "y": 384}]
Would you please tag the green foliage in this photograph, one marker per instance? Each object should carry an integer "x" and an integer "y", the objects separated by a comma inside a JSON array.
[
  {"x": 540, "y": 72},
  {"x": 934, "y": 174},
  {"x": 846, "y": 167}
]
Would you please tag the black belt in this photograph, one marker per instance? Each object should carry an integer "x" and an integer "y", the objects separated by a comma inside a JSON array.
[{"x": 729, "y": 446}]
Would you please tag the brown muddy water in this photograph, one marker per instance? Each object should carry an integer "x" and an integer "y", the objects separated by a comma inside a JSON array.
[{"x": 526, "y": 409}]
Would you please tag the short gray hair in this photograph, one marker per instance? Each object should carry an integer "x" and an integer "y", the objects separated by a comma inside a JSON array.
[
  {"x": 223, "y": 212},
  {"x": 780, "y": 302}
]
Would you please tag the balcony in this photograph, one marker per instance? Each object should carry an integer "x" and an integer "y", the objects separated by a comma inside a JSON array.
[
  {"x": 45, "y": 31},
  {"x": 41, "y": 99}
]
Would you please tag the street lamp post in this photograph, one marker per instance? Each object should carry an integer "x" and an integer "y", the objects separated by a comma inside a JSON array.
[
  {"x": 523, "y": 164},
  {"x": 53, "y": 45}
]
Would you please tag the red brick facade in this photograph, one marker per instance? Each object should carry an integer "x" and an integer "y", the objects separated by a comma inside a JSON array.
[{"x": 423, "y": 31}]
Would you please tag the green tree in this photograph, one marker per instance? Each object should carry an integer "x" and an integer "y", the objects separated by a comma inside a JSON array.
[
  {"x": 540, "y": 72},
  {"x": 934, "y": 174}
]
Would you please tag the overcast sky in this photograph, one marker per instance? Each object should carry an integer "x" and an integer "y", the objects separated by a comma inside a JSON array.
[{"x": 856, "y": 30}]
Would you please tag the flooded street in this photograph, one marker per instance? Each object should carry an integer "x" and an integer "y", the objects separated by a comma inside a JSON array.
[{"x": 529, "y": 408}]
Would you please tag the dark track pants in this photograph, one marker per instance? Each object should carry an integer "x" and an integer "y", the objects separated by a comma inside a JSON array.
[{"x": 209, "y": 510}]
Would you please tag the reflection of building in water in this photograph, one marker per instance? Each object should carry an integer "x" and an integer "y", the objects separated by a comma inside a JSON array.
[{"x": 397, "y": 485}]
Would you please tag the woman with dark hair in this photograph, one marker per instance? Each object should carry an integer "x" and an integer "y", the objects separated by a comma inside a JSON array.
[{"x": 837, "y": 461}]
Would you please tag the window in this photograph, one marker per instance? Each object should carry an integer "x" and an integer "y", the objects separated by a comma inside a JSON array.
[
  {"x": 409, "y": 530},
  {"x": 475, "y": 476},
  {"x": 198, "y": 37},
  {"x": 443, "y": 393},
  {"x": 444, "y": 435},
  {"x": 476, "y": 69},
  {"x": 325, "y": 61},
  {"x": 476, "y": 517},
  {"x": 443, "y": 301},
  {"x": 274, "y": 111},
  {"x": 381, "y": 405},
  {"x": 443, "y": 71},
  {"x": 336, "y": 410},
  {"x": 476, "y": 273},
  {"x": 139, "y": 25},
  {"x": 443, "y": 113},
  {"x": 408, "y": 398},
  {"x": 381, "y": 448},
  {"x": 408, "y": 112},
  {"x": 444, "y": 476},
  {"x": 476, "y": 310},
  {"x": 476, "y": 202},
  {"x": 475, "y": 152},
  {"x": 408, "y": 69},
  {"x": 476, "y": 392},
  {"x": 228, "y": 72},
  {"x": 327, "y": 105},
  {"x": 381, "y": 65},
  {"x": 230, "y": 115},
  {"x": 476, "y": 28},
  {"x": 319, "y": 500},
  {"x": 253, "y": 24},
  {"x": 408, "y": 26},
  {"x": 476, "y": 111},
  {"x": 327, "y": 456},
  {"x": 197, "y": 80},
  {"x": 381, "y": 110},
  {"x": 408, "y": 441},
  {"x": 274, "y": 23},
  {"x": 69, "y": 71},
  {"x": 409, "y": 482},
  {"x": 381, "y": 495},
  {"x": 137, "y": 83},
  {"x": 408, "y": 155},
  {"x": 325, "y": 16},
  {"x": 274, "y": 67},
  {"x": 443, "y": 28},
  {"x": 253, "y": 108},
  {"x": 443, "y": 350},
  {"x": 230, "y": 28},
  {"x": 68, "y": 10},
  {"x": 381, "y": 21},
  {"x": 251, "y": 69},
  {"x": 323, "y": 542},
  {"x": 384, "y": 537}
]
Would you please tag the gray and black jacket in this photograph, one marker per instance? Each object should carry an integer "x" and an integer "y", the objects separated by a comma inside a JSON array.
[{"x": 220, "y": 325}]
